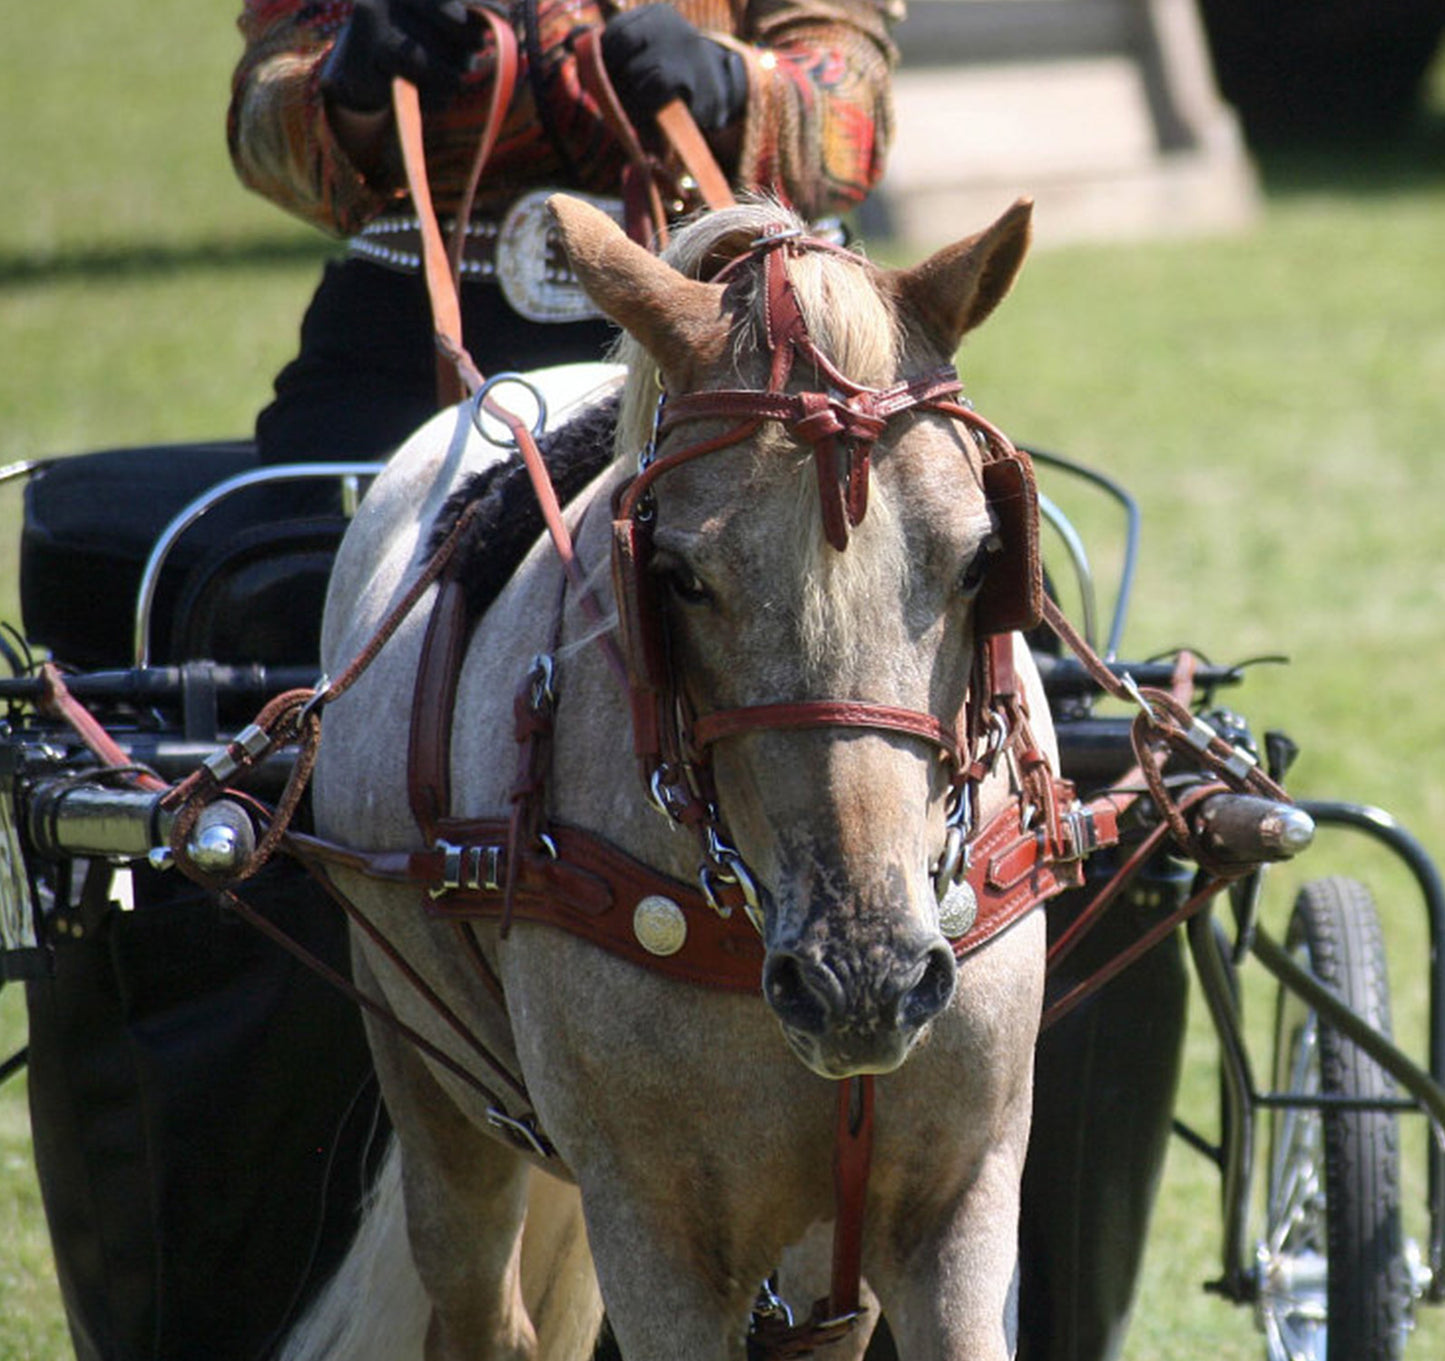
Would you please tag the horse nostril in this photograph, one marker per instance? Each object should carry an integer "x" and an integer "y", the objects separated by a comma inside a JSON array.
[
  {"x": 799, "y": 999},
  {"x": 934, "y": 989}
]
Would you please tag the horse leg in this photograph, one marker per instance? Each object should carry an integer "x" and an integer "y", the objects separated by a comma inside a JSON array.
[
  {"x": 806, "y": 1276},
  {"x": 942, "y": 1251},
  {"x": 951, "y": 1294},
  {"x": 672, "y": 1286},
  {"x": 559, "y": 1283},
  {"x": 954, "y": 1297},
  {"x": 466, "y": 1200}
]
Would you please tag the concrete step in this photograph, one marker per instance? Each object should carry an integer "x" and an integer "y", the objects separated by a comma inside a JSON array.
[{"x": 1113, "y": 126}]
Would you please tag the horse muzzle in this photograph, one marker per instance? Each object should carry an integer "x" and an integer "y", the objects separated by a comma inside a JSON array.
[{"x": 846, "y": 1013}]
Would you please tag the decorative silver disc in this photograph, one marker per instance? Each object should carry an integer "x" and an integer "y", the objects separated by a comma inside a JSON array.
[
  {"x": 659, "y": 925},
  {"x": 958, "y": 911}
]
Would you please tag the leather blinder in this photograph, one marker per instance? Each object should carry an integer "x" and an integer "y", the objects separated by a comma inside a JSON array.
[
  {"x": 1012, "y": 597},
  {"x": 637, "y": 606}
]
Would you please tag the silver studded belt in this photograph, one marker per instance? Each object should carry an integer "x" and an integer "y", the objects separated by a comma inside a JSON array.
[
  {"x": 395, "y": 242},
  {"x": 519, "y": 251}
]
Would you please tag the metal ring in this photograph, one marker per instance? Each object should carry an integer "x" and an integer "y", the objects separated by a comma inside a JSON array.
[{"x": 539, "y": 425}]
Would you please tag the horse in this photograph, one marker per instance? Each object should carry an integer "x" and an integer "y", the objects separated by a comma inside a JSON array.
[{"x": 809, "y": 574}]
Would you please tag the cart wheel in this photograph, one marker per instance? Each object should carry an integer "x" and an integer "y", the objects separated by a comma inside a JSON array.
[{"x": 1332, "y": 1276}]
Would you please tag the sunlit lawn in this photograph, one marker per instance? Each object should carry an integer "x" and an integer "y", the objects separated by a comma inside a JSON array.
[{"x": 1275, "y": 401}]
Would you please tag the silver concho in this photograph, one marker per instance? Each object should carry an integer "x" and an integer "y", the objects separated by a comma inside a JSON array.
[
  {"x": 958, "y": 911},
  {"x": 532, "y": 267},
  {"x": 659, "y": 925}
]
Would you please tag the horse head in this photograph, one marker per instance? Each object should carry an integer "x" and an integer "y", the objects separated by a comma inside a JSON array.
[{"x": 806, "y": 549}]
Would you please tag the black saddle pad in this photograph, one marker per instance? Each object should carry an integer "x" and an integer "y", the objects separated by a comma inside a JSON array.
[{"x": 509, "y": 520}]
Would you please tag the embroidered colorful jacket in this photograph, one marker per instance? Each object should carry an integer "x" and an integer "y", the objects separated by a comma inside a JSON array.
[{"x": 817, "y": 125}]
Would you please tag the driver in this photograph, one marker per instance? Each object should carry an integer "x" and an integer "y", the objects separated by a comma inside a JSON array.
[{"x": 793, "y": 97}]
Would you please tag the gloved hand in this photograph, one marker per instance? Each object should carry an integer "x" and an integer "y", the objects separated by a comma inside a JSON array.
[
  {"x": 428, "y": 42},
  {"x": 654, "y": 55}
]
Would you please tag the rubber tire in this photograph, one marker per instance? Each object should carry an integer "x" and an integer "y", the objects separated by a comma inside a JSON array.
[{"x": 1335, "y": 927}]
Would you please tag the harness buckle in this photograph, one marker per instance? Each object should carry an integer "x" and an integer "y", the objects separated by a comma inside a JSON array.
[
  {"x": 1081, "y": 834},
  {"x": 473, "y": 867}
]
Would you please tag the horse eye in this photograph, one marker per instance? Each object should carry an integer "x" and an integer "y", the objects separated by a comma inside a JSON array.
[
  {"x": 977, "y": 569},
  {"x": 683, "y": 582}
]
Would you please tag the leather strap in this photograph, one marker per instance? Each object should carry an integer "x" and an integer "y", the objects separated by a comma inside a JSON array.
[
  {"x": 592, "y": 889},
  {"x": 504, "y": 85},
  {"x": 852, "y": 1158},
  {"x": 441, "y": 265},
  {"x": 862, "y": 414},
  {"x": 445, "y": 305},
  {"x": 642, "y": 195},
  {"x": 827, "y": 713},
  {"x": 677, "y": 124},
  {"x": 646, "y": 219},
  {"x": 57, "y": 701},
  {"x": 428, "y": 765}
]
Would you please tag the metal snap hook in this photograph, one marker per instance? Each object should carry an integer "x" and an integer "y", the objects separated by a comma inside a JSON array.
[
  {"x": 1131, "y": 686},
  {"x": 951, "y": 863},
  {"x": 725, "y": 866},
  {"x": 320, "y": 696}
]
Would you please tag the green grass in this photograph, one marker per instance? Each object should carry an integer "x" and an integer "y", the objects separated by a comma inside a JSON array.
[
  {"x": 1277, "y": 404},
  {"x": 1275, "y": 400}
]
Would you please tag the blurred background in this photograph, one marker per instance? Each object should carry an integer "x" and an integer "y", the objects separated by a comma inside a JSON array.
[{"x": 1236, "y": 307}]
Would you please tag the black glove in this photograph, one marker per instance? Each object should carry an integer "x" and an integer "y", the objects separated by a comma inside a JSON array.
[
  {"x": 654, "y": 55},
  {"x": 429, "y": 42}
]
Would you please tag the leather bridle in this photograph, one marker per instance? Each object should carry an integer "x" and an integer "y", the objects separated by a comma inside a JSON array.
[{"x": 841, "y": 425}]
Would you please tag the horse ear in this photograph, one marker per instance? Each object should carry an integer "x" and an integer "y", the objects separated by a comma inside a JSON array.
[
  {"x": 955, "y": 290},
  {"x": 676, "y": 318}
]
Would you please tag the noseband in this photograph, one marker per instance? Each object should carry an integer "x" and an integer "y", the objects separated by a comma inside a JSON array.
[{"x": 841, "y": 425}]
